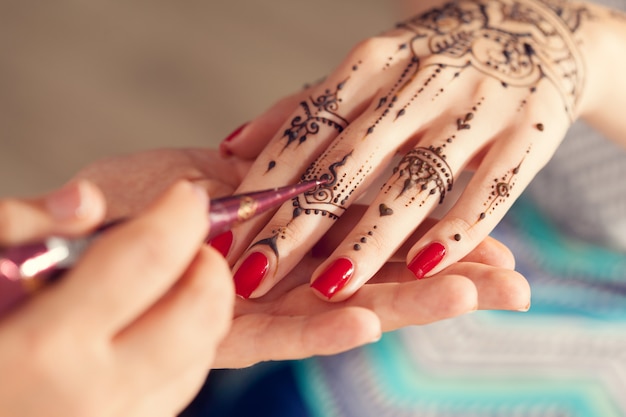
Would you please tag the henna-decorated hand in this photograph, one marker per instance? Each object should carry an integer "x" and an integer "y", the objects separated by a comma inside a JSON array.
[
  {"x": 292, "y": 322},
  {"x": 492, "y": 84}
]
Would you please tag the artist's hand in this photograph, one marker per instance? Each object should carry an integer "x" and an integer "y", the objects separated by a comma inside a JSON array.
[
  {"x": 487, "y": 84},
  {"x": 293, "y": 323},
  {"x": 133, "y": 328}
]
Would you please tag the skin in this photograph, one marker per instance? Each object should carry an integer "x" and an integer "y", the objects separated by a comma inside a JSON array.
[
  {"x": 132, "y": 329},
  {"x": 292, "y": 322},
  {"x": 493, "y": 90}
]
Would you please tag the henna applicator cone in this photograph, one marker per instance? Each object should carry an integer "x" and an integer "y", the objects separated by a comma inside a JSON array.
[{"x": 26, "y": 268}]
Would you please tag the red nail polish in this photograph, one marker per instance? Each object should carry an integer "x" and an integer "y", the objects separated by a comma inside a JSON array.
[
  {"x": 250, "y": 274},
  {"x": 223, "y": 147},
  {"x": 334, "y": 277},
  {"x": 427, "y": 259},
  {"x": 222, "y": 243},
  {"x": 235, "y": 133}
]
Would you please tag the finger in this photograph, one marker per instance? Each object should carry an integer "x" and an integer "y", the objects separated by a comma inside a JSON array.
[
  {"x": 399, "y": 300},
  {"x": 509, "y": 166},
  {"x": 249, "y": 140},
  {"x": 309, "y": 130},
  {"x": 418, "y": 184},
  {"x": 183, "y": 329},
  {"x": 262, "y": 337},
  {"x": 72, "y": 210},
  {"x": 349, "y": 165},
  {"x": 497, "y": 288},
  {"x": 131, "y": 266},
  {"x": 489, "y": 251}
]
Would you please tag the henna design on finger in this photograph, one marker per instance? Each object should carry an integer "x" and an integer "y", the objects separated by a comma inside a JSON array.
[
  {"x": 385, "y": 210},
  {"x": 321, "y": 110},
  {"x": 363, "y": 239},
  {"x": 270, "y": 242},
  {"x": 501, "y": 189},
  {"x": 540, "y": 127},
  {"x": 423, "y": 170},
  {"x": 329, "y": 199}
]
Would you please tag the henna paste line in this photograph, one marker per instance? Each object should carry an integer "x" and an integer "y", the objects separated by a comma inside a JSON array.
[
  {"x": 501, "y": 190},
  {"x": 474, "y": 33},
  {"x": 423, "y": 170}
]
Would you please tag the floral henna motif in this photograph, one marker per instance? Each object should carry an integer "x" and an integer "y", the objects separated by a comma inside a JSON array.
[
  {"x": 320, "y": 110},
  {"x": 501, "y": 190},
  {"x": 329, "y": 199},
  {"x": 518, "y": 42},
  {"x": 422, "y": 170},
  {"x": 317, "y": 111}
]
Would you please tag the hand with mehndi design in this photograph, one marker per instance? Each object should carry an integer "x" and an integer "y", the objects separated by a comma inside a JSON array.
[
  {"x": 491, "y": 85},
  {"x": 292, "y": 322}
]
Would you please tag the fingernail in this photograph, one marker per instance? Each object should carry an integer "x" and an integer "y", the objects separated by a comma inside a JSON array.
[
  {"x": 68, "y": 202},
  {"x": 223, "y": 147},
  {"x": 222, "y": 243},
  {"x": 525, "y": 309},
  {"x": 250, "y": 274},
  {"x": 427, "y": 259},
  {"x": 334, "y": 278}
]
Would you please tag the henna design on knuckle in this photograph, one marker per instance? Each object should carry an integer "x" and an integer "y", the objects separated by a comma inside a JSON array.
[
  {"x": 501, "y": 189},
  {"x": 321, "y": 110},
  {"x": 329, "y": 199},
  {"x": 423, "y": 171}
]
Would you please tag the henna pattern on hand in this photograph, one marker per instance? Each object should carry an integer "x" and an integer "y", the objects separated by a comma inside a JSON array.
[
  {"x": 517, "y": 42},
  {"x": 424, "y": 170},
  {"x": 329, "y": 199},
  {"x": 321, "y": 110},
  {"x": 363, "y": 240},
  {"x": 501, "y": 189}
]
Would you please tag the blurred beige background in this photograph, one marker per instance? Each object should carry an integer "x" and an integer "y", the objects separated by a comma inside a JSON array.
[{"x": 81, "y": 80}]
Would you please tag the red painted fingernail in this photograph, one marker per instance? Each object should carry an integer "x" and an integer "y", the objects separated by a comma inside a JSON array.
[
  {"x": 334, "y": 277},
  {"x": 250, "y": 274},
  {"x": 222, "y": 243},
  {"x": 223, "y": 147},
  {"x": 427, "y": 259}
]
